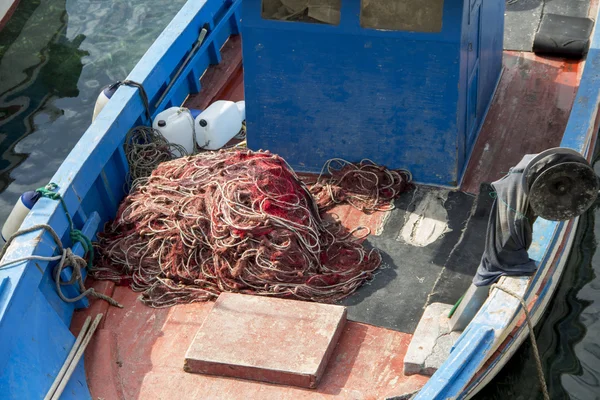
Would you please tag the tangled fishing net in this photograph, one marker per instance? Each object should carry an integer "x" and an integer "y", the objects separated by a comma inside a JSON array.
[
  {"x": 145, "y": 149},
  {"x": 242, "y": 221},
  {"x": 366, "y": 186}
]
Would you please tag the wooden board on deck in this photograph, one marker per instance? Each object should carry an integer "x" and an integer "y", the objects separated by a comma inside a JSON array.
[{"x": 266, "y": 339}]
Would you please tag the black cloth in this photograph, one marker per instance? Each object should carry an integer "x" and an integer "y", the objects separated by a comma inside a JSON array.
[{"x": 509, "y": 231}]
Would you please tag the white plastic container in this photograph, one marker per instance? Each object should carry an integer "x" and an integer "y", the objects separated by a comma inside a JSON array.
[
  {"x": 219, "y": 123},
  {"x": 16, "y": 217},
  {"x": 176, "y": 124}
]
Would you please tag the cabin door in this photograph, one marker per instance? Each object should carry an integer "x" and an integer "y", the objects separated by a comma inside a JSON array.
[{"x": 473, "y": 69}]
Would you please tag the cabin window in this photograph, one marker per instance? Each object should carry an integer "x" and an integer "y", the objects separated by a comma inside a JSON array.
[
  {"x": 312, "y": 11},
  {"x": 402, "y": 15}
]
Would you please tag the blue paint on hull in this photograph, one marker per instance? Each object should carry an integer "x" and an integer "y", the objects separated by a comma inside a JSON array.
[{"x": 34, "y": 323}]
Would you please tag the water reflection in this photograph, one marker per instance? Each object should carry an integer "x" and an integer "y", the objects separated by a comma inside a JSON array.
[
  {"x": 582, "y": 381},
  {"x": 55, "y": 55},
  {"x": 36, "y": 69}
]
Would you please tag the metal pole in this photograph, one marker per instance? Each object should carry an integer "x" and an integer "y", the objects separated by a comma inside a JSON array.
[
  {"x": 67, "y": 362},
  {"x": 75, "y": 361},
  {"x": 203, "y": 33}
]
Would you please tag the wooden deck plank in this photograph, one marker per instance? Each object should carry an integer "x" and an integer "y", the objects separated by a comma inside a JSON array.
[
  {"x": 528, "y": 115},
  {"x": 266, "y": 339}
]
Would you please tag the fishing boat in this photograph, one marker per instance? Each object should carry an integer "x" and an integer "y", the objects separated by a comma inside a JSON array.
[{"x": 420, "y": 87}]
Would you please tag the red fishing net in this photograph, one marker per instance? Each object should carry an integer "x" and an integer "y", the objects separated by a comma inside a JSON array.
[
  {"x": 366, "y": 186},
  {"x": 241, "y": 221}
]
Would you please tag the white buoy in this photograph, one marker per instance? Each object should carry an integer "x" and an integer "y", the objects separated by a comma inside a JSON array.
[
  {"x": 16, "y": 217},
  {"x": 105, "y": 95},
  {"x": 176, "y": 124},
  {"x": 219, "y": 123}
]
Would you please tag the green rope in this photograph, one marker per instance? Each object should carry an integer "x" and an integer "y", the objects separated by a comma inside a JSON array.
[
  {"x": 494, "y": 195},
  {"x": 76, "y": 235},
  {"x": 451, "y": 313},
  {"x": 65, "y": 259}
]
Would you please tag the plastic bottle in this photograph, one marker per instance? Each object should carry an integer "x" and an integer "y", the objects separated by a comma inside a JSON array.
[
  {"x": 176, "y": 124},
  {"x": 16, "y": 217},
  {"x": 219, "y": 123}
]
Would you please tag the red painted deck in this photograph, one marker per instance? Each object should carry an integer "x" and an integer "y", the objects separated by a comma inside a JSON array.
[
  {"x": 529, "y": 114},
  {"x": 223, "y": 81},
  {"x": 139, "y": 354}
]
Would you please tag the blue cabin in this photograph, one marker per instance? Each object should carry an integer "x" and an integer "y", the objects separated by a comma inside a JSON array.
[{"x": 405, "y": 83}]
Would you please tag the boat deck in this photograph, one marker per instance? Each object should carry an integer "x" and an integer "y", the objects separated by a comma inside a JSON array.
[
  {"x": 529, "y": 114},
  {"x": 431, "y": 245},
  {"x": 149, "y": 347}
]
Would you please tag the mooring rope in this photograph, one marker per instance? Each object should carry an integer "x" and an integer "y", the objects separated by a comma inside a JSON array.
[
  {"x": 143, "y": 95},
  {"x": 536, "y": 354},
  {"x": 76, "y": 235},
  {"x": 66, "y": 259}
]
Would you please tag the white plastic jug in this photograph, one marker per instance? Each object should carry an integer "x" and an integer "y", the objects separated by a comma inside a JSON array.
[
  {"x": 176, "y": 124},
  {"x": 219, "y": 123}
]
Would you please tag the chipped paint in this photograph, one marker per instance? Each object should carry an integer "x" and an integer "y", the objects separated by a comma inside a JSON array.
[{"x": 429, "y": 220}]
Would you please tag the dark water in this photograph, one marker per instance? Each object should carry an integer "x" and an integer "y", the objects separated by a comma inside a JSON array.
[{"x": 55, "y": 56}]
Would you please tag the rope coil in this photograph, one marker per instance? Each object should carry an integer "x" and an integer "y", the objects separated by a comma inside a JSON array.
[
  {"x": 366, "y": 186},
  {"x": 239, "y": 221},
  {"x": 66, "y": 259},
  {"x": 145, "y": 149}
]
